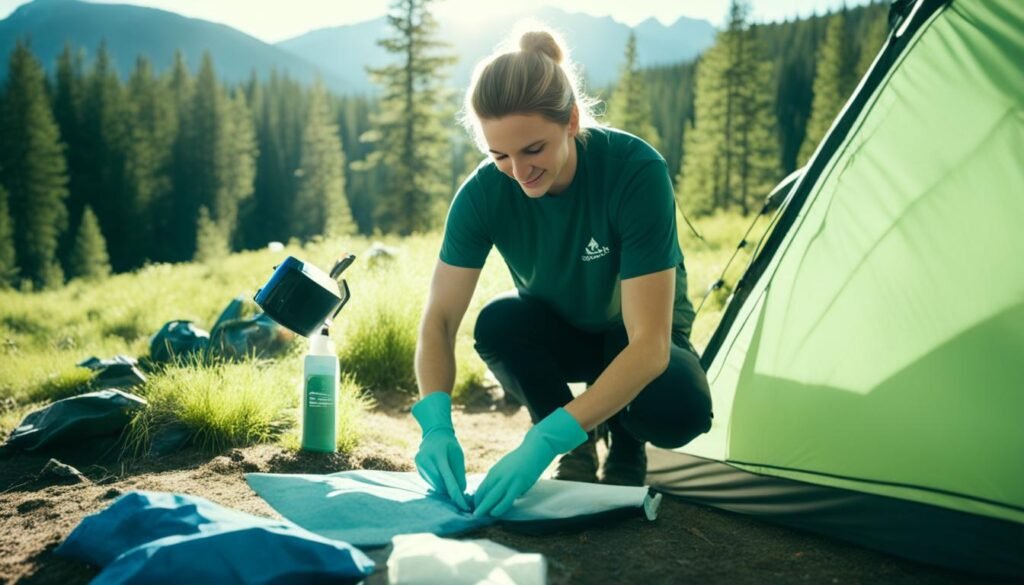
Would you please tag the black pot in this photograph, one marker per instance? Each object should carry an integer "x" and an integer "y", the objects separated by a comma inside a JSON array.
[{"x": 302, "y": 297}]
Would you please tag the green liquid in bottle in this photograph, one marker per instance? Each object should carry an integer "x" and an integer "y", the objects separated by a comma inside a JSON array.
[{"x": 318, "y": 415}]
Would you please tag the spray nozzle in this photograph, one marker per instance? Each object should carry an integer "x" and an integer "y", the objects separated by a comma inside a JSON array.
[
  {"x": 320, "y": 344},
  {"x": 341, "y": 265}
]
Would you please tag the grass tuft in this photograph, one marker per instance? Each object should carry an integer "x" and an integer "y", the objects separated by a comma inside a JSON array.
[{"x": 221, "y": 404}]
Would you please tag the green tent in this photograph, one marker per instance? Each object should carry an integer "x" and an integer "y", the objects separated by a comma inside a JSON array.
[{"x": 868, "y": 373}]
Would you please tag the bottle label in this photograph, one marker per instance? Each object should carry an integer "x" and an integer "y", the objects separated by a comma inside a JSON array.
[{"x": 318, "y": 423}]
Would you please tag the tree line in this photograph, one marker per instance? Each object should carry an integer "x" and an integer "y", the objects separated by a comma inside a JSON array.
[
  {"x": 99, "y": 174},
  {"x": 752, "y": 108}
]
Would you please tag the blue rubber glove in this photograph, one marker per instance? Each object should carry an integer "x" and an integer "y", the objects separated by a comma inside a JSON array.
[
  {"x": 440, "y": 461},
  {"x": 517, "y": 471}
]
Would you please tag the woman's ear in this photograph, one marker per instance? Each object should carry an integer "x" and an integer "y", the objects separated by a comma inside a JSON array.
[{"x": 574, "y": 121}]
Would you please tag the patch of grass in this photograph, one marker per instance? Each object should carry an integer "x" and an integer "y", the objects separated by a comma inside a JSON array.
[
  {"x": 221, "y": 404},
  {"x": 42, "y": 376},
  {"x": 128, "y": 325},
  {"x": 66, "y": 382},
  {"x": 378, "y": 329},
  {"x": 380, "y": 348},
  {"x": 27, "y": 323}
]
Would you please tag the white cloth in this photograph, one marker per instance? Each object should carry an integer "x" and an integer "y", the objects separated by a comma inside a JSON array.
[{"x": 426, "y": 559}]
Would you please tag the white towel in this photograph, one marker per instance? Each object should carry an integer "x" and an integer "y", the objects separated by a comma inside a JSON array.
[{"x": 426, "y": 559}]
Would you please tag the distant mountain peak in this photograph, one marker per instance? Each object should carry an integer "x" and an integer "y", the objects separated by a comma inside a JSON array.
[
  {"x": 130, "y": 31},
  {"x": 36, "y": 5}
]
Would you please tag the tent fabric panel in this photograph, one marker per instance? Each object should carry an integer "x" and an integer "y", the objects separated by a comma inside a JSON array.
[
  {"x": 885, "y": 278},
  {"x": 722, "y": 382},
  {"x": 921, "y": 532}
]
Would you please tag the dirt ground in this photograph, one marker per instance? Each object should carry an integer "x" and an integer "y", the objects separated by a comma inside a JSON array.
[{"x": 687, "y": 543}]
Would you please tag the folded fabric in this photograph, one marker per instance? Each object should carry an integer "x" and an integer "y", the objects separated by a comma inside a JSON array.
[
  {"x": 95, "y": 363},
  {"x": 69, "y": 421},
  {"x": 152, "y": 537},
  {"x": 426, "y": 559},
  {"x": 369, "y": 508}
]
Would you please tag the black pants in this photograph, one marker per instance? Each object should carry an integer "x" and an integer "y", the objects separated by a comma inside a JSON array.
[{"x": 535, "y": 354}]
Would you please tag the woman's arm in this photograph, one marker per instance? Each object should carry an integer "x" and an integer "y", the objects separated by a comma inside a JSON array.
[
  {"x": 647, "y": 314},
  {"x": 451, "y": 289}
]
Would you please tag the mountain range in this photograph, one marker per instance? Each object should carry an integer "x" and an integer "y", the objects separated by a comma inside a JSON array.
[{"x": 339, "y": 55}]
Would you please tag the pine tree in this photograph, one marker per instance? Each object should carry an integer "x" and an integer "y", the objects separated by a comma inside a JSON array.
[
  {"x": 147, "y": 183},
  {"x": 104, "y": 140},
  {"x": 220, "y": 150},
  {"x": 33, "y": 169},
  {"x": 362, "y": 180},
  {"x": 211, "y": 241},
  {"x": 630, "y": 107},
  {"x": 321, "y": 206},
  {"x": 249, "y": 235},
  {"x": 731, "y": 152},
  {"x": 89, "y": 259},
  {"x": 831, "y": 84},
  {"x": 67, "y": 102},
  {"x": 238, "y": 164},
  {"x": 207, "y": 125},
  {"x": 757, "y": 143},
  {"x": 412, "y": 123},
  {"x": 8, "y": 261},
  {"x": 68, "y": 105},
  {"x": 195, "y": 156},
  {"x": 877, "y": 30},
  {"x": 175, "y": 217},
  {"x": 670, "y": 90},
  {"x": 270, "y": 208}
]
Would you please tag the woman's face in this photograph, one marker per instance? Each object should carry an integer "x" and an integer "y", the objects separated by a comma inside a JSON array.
[{"x": 538, "y": 153}]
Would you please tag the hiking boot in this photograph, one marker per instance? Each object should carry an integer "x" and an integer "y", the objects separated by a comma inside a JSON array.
[
  {"x": 580, "y": 464},
  {"x": 626, "y": 463}
]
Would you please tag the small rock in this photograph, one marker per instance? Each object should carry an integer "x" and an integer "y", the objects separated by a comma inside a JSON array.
[
  {"x": 111, "y": 494},
  {"x": 29, "y": 505},
  {"x": 236, "y": 455},
  {"x": 378, "y": 255},
  {"x": 55, "y": 470},
  {"x": 222, "y": 465}
]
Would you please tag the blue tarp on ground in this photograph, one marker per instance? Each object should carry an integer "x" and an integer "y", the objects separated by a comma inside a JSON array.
[
  {"x": 152, "y": 537},
  {"x": 368, "y": 508}
]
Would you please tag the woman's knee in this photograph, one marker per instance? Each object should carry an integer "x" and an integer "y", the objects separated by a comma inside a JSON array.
[
  {"x": 668, "y": 428},
  {"x": 501, "y": 319},
  {"x": 675, "y": 408}
]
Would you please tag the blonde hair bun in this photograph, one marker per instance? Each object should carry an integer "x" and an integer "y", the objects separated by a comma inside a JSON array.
[{"x": 541, "y": 42}]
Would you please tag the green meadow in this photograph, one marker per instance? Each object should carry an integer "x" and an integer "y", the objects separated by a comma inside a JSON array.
[{"x": 43, "y": 335}]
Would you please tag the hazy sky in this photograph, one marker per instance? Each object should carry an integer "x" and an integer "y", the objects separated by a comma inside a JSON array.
[{"x": 274, "y": 21}]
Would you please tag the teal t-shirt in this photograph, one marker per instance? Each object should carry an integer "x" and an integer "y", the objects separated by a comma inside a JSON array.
[{"x": 615, "y": 221}]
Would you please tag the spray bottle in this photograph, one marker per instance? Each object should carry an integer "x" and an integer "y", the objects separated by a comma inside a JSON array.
[
  {"x": 320, "y": 394},
  {"x": 305, "y": 299}
]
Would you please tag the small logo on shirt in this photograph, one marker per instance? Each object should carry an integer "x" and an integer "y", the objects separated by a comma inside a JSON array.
[{"x": 593, "y": 251}]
